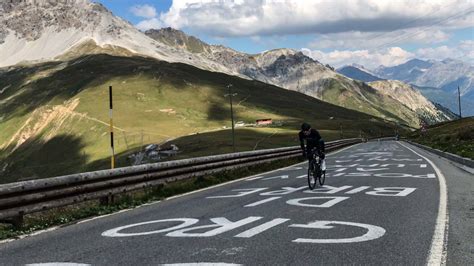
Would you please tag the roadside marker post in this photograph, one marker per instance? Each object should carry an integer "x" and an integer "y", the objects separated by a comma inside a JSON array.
[
  {"x": 230, "y": 94},
  {"x": 112, "y": 158}
]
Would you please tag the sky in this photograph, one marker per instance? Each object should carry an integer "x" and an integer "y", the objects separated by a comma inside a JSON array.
[{"x": 336, "y": 32}]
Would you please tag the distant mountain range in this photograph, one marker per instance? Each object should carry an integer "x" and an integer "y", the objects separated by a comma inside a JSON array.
[
  {"x": 437, "y": 81},
  {"x": 445, "y": 75}
]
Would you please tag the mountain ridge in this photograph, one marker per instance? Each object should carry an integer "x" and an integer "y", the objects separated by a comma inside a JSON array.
[
  {"x": 357, "y": 72},
  {"x": 105, "y": 33},
  {"x": 446, "y": 75},
  {"x": 291, "y": 69}
]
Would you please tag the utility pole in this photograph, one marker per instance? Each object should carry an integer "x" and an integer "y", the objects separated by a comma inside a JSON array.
[
  {"x": 230, "y": 94},
  {"x": 459, "y": 102}
]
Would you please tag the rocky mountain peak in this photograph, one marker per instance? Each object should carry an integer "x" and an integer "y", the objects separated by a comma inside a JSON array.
[
  {"x": 178, "y": 39},
  {"x": 31, "y": 19}
]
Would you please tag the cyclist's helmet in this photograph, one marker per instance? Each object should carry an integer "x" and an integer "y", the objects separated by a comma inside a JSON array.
[{"x": 305, "y": 126}]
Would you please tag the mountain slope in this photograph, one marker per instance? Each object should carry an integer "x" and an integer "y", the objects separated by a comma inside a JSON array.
[
  {"x": 454, "y": 136},
  {"x": 36, "y": 31},
  {"x": 448, "y": 100},
  {"x": 412, "y": 99},
  {"x": 293, "y": 70},
  {"x": 354, "y": 72},
  {"x": 445, "y": 75},
  {"x": 406, "y": 72},
  {"x": 54, "y": 109}
]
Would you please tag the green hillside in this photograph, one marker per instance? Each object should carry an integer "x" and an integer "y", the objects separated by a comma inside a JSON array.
[
  {"x": 54, "y": 116},
  {"x": 455, "y": 137}
]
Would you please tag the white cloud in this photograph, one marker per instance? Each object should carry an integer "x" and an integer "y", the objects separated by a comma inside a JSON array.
[
  {"x": 387, "y": 57},
  {"x": 464, "y": 51},
  {"x": 144, "y": 11},
  {"x": 152, "y": 23},
  {"x": 366, "y": 40},
  {"x": 371, "y": 59},
  {"x": 281, "y": 17}
]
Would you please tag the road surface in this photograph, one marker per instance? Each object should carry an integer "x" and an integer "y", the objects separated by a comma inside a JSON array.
[{"x": 383, "y": 203}]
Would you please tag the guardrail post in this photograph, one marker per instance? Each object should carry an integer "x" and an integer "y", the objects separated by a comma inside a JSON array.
[
  {"x": 107, "y": 200},
  {"x": 16, "y": 221}
]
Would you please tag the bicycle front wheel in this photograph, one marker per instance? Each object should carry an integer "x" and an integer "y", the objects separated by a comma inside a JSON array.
[
  {"x": 311, "y": 176},
  {"x": 322, "y": 178}
]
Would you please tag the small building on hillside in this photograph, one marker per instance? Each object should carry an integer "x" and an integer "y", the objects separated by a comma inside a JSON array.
[{"x": 264, "y": 122}]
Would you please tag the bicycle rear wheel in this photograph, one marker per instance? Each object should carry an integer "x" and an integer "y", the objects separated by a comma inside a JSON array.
[{"x": 311, "y": 175}]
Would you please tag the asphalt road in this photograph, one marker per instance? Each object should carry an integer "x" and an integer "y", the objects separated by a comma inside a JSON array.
[{"x": 380, "y": 205}]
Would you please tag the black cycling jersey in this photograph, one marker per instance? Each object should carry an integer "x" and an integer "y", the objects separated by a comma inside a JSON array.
[{"x": 313, "y": 140}]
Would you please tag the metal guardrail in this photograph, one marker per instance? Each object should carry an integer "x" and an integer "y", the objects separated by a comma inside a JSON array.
[
  {"x": 453, "y": 157},
  {"x": 20, "y": 198}
]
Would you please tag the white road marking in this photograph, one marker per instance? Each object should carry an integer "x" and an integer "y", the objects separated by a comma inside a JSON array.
[
  {"x": 438, "y": 252},
  {"x": 58, "y": 264},
  {"x": 220, "y": 225},
  {"x": 357, "y": 190},
  {"x": 276, "y": 177},
  {"x": 115, "y": 231},
  {"x": 328, "y": 190},
  {"x": 241, "y": 192},
  {"x": 263, "y": 227},
  {"x": 202, "y": 264},
  {"x": 261, "y": 202},
  {"x": 329, "y": 202},
  {"x": 373, "y": 232}
]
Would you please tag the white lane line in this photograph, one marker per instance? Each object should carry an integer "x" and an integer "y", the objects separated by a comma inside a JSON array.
[
  {"x": 261, "y": 202},
  {"x": 438, "y": 250}
]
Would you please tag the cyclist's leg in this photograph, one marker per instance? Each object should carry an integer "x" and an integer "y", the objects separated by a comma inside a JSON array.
[
  {"x": 322, "y": 154},
  {"x": 309, "y": 154}
]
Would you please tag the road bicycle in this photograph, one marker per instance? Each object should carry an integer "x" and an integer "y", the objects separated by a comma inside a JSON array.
[{"x": 315, "y": 173}]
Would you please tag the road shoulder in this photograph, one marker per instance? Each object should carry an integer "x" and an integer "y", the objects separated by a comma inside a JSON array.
[{"x": 460, "y": 184}]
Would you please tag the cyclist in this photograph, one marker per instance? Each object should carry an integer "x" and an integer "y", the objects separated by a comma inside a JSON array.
[{"x": 313, "y": 140}]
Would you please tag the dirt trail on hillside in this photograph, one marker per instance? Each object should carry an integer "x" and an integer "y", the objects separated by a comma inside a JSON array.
[{"x": 47, "y": 116}]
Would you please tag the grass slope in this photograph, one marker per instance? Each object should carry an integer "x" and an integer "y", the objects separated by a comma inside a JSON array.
[
  {"x": 455, "y": 137},
  {"x": 54, "y": 116}
]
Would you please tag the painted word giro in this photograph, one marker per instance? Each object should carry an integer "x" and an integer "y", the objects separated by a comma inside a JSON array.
[
  {"x": 184, "y": 227},
  {"x": 239, "y": 228}
]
